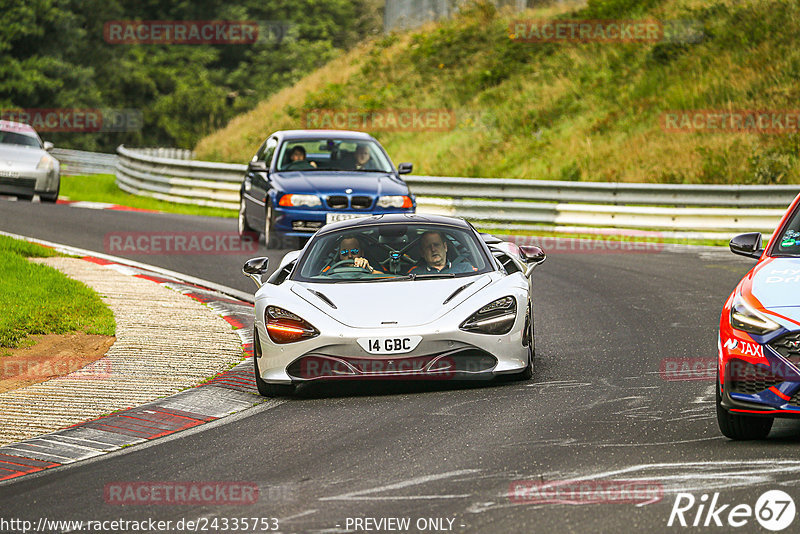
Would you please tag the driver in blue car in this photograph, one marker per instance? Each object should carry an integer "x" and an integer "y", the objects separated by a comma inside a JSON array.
[
  {"x": 434, "y": 253},
  {"x": 350, "y": 249},
  {"x": 297, "y": 157}
]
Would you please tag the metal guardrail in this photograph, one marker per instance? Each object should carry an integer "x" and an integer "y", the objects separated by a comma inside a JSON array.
[
  {"x": 740, "y": 196},
  {"x": 78, "y": 162},
  {"x": 672, "y": 210},
  {"x": 201, "y": 183}
]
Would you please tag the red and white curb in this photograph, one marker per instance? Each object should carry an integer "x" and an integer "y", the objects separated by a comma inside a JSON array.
[
  {"x": 227, "y": 393},
  {"x": 100, "y": 206}
]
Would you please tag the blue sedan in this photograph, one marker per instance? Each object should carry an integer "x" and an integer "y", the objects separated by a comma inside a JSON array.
[{"x": 300, "y": 180}]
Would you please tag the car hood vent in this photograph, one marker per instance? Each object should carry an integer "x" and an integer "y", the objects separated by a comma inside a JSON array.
[
  {"x": 323, "y": 298},
  {"x": 406, "y": 303},
  {"x": 456, "y": 292}
]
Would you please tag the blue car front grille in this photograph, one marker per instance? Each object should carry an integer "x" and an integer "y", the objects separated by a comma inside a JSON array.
[
  {"x": 337, "y": 202},
  {"x": 361, "y": 202},
  {"x": 341, "y": 202}
]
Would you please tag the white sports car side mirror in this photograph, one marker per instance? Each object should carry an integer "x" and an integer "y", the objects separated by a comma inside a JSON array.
[{"x": 254, "y": 268}]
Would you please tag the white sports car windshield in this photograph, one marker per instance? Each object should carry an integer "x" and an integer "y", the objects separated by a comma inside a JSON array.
[
  {"x": 328, "y": 154},
  {"x": 15, "y": 138},
  {"x": 391, "y": 252}
]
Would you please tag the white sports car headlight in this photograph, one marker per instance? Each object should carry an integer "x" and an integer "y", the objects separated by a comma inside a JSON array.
[
  {"x": 495, "y": 318},
  {"x": 285, "y": 327},
  {"x": 47, "y": 163}
]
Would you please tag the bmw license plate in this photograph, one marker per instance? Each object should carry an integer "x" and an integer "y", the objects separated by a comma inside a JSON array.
[
  {"x": 389, "y": 345},
  {"x": 333, "y": 217}
]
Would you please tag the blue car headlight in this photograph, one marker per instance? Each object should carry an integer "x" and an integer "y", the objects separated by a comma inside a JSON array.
[
  {"x": 310, "y": 201},
  {"x": 395, "y": 201}
]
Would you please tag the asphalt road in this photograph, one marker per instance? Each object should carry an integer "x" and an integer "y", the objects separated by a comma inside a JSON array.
[{"x": 597, "y": 410}]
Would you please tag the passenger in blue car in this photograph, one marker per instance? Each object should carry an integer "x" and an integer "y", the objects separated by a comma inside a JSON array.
[
  {"x": 359, "y": 160},
  {"x": 434, "y": 254}
]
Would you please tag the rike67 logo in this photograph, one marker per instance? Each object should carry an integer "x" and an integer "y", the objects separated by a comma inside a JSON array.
[{"x": 774, "y": 510}]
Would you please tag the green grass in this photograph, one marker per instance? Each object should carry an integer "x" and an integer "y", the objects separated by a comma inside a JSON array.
[
  {"x": 103, "y": 188},
  {"x": 564, "y": 111},
  {"x": 36, "y": 299}
]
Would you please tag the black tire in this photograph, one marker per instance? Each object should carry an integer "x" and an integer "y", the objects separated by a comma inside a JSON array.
[
  {"x": 24, "y": 198},
  {"x": 272, "y": 240},
  {"x": 243, "y": 227},
  {"x": 52, "y": 197},
  {"x": 266, "y": 389},
  {"x": 741, "y": 427}
]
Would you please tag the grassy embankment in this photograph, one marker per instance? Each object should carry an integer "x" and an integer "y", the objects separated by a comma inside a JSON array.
[
  {"x": 564, "y": 111},
  {"x": 36, "y": 299}
]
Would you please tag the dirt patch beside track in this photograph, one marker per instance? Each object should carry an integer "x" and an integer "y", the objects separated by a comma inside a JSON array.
[{"x": 54, "y": 355}]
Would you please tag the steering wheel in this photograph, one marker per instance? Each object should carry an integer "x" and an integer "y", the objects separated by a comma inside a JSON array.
[
  {"x": 347, "y": 264},
  {"x": 301, "y": 165}
]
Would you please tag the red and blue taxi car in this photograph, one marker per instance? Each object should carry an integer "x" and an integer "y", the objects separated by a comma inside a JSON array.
[{"x": 759, "y": 335}]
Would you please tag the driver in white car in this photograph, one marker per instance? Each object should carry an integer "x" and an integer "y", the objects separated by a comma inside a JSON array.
[{"x": 350, "y": 249}]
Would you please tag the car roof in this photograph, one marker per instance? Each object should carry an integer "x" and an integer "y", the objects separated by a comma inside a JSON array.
[
  {"x": 19, "y": 127},
  {"x": 315, "y": 134},
  {"x": 393, "y": 218}
]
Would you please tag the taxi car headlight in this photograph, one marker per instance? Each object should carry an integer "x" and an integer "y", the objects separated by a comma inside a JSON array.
[
  {"x": 395, "y": 201},
  {"x": 47, "y": 163},
  {"x": 300, "y": 200},
  {"x": 744, "y": 317},
  {"x": 285, "y": 327},
  {"x": 495, "y": 318}
]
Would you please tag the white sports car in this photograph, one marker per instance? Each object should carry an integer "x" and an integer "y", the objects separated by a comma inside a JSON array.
[
  {"x": 26, "y": 167},
  {"x": 394, "y": 296}
]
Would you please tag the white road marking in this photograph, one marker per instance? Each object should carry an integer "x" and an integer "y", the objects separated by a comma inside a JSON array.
[
  {"x": 297, "y": 516},
  {"x": 363, "y": 495}
]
